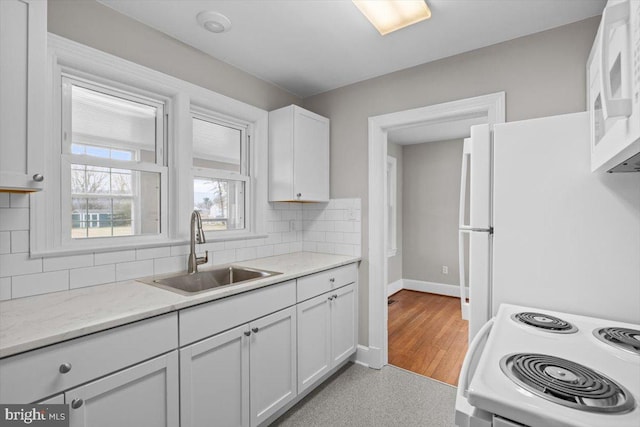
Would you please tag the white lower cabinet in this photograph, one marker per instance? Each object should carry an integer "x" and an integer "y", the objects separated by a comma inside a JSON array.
[
  {"x": 326, "y": 333},
  {"x": 242, "y": 376},
  {"x": 145, "y": 395}
]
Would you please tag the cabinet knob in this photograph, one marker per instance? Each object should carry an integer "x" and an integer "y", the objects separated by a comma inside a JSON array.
[
  {"x": 64, "y": 368},
  {"x": 330, "y": 298},
  {"x": 38, "y": 177},
  {"x": 255, "y": 330},
  {"x": 247, "y": 333},
  {"x": 76, "y": 403},
  {"x": 332, "y": 280},
  {"x": 335, "y": 296},
  {"x": 299, "y": 195}
]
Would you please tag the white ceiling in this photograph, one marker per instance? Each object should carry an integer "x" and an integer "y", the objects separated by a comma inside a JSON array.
[{"x": 312, "y": 46}]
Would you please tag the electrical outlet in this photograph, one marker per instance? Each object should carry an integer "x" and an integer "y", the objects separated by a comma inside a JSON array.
[{"x": 445, "y": 269}]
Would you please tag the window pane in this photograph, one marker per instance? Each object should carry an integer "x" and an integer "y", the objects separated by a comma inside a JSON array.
[
  {"x": 220, "y": 202},
  {"x": 110, "y": 127},
  {"x": 114, "y": 202},
  {"x": 216, "y": 146}
]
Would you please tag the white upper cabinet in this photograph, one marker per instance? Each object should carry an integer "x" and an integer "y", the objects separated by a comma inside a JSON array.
[
  {"x": 23, "y": 49},
  {"x": 298, "y": 155}
]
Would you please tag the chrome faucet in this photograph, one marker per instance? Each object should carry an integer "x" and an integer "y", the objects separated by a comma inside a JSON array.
[{"x": 197, "y": 235}]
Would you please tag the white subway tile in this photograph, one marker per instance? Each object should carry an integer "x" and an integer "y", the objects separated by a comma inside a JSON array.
[
  {"x": 334, "y": 237},
  {"x": 280, "y": 206},
  {"x": 245, "y": 254},
  {"x": 357, "y": 203},
  {"x": 19, "y": 241},
  {"x": 114, "y": 257},
  {"x": 342, "y": 249},
  {"x": 252, "y": 243},
  {"x": 327, "y": 248},
  {"x": 273, "y": 215},
  {"x": 273, "y": 239},
  {"x": 235, "y": 244},
  {"x": 5, "y": 242},
  {"x": 290, "y": 236},
  {"x": 89, "y": 276},
  {"x": 172, "y": 264},
  {"x": 353, "y": 238},
  {"x": 14, "y": 219},
  {"x": 357, "y": 250},
  {"x": 151, "y": 253},
  {"x": 309, "y": 246},
  {"x": 134, "y": 270},
  {"x": 334, "y": 215},
  {"x": 5, "y": 288},
  {"x": 211, "y": 247},
  {"x": 314, "y": 206},
  {"x": 288, "y": 215},
  {"x": 344, "y": 226},
  {"x": 295, "y": 247},
  {"x": 5, "y": 200},
  {"x": 67, "y": 262},
  {"x": 313, "y": 215},
  {"x": 15, "y": 264},
  {"x": 314, "y": 236},
  {"x": 41, "y": 283},
  {"x": 282, "y": 248},
  {"x": 180, "y": 250},
  {"x": 341, "y": 204},
  {"x": 280, "y": 226},
  {"x": 224, "y": 257},
  {"x": 264, "y": 251},
  {"x": 19, "y": 200}
]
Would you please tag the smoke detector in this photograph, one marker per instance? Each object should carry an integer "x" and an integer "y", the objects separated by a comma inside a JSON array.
[{"x": 214, "y": 22}]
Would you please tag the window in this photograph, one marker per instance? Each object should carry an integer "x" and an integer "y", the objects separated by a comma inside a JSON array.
[
  {"x": 113, "y": 166},
  {"x": 221, "y": 183},
  {"x": 392, "y": 172}
]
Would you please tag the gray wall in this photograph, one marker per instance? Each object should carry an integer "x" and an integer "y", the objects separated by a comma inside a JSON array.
[
  {"x": 542, "y": 74},
  {"x": 395, "y": 262},
  {"x": 430, "y": 207},
  {"x": 93, "y": 24}
]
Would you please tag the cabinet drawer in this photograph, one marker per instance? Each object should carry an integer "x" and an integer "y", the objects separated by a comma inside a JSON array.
[
  {"x": 31, "y": 376},
  {"x": 209, "y": 319},
  {"x": 318, "y": 283}
]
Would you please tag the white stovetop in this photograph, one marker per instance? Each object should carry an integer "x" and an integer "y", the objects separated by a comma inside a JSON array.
[
  {"x": 492, "y": 391},
  {"x": 29, "y": 323}
]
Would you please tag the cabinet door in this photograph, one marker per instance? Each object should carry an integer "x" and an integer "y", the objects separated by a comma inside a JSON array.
[
  {"x": 310, "y": 156},
  {"x": 314, "y": 340},
  {"x": 145, "y": 395},
  {"x": 272, "y": 363},
  {"x": 343, "y": 323},
  {"x": 214, "y": 381},
  {"x": 23, "y": 48},
  {"x": 57, "y": 399}
]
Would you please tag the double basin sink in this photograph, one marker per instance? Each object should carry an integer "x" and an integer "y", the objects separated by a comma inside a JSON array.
[{"x": 202, "y": 281}]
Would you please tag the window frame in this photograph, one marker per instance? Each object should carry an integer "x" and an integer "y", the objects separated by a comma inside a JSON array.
[
  {"x": 67, "y": 158},
  {"x": 244, "y": 175}
]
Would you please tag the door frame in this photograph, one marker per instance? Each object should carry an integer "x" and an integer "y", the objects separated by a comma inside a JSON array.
[{"x": 491, "y": 106}]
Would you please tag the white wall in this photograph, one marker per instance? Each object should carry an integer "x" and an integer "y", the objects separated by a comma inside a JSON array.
[{"x": 542, "y": 74}]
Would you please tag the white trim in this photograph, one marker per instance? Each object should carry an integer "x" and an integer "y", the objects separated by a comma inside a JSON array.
[
  {"x": 101, "y": 67},
  {"x": 433, "y": 288},
  {"x": 392, "y": 203},
  {"x": 394, "y": 287},
  {"x": 491, "y": 106},
  {"x": 362, "y": 356}
]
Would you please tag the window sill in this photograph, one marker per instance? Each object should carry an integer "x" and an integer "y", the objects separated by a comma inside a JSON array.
[
  {"x": 229, "y": 237},
  {"x": 101, "y": 249}
]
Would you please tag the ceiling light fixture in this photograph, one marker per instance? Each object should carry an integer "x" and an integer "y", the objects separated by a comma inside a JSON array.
[
  {"x": 214, "y": 21},
  {"x": 391, "y": 15}
]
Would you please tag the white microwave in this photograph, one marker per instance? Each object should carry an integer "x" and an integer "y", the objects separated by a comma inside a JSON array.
[{"x": 613, "y": 88}]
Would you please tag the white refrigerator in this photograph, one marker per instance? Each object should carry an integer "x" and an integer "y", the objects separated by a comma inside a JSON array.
[{"x": 544, "y": 230}]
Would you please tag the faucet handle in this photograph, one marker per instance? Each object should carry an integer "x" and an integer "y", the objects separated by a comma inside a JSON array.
[{"x": 203, "y": 260}]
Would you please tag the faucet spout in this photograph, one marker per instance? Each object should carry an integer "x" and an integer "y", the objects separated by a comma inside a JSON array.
[{"x": 196, "y": 235}]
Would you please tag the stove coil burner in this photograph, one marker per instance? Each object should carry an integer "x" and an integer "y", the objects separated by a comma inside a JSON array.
[
  {"x": 626, "y": 339},
  {"x": 545, "y": 321},
  {"x": 567, "y": 383}
]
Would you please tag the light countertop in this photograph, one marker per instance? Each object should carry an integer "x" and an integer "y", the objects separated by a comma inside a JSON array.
[{"x": 33, "y": 322}]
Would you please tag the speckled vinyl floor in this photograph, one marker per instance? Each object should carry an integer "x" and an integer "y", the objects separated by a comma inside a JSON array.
[{"x": 359, "y": 396}]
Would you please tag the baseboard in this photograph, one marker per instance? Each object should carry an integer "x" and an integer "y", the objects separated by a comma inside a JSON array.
[
  {"x": 394, "y": 287},
  {"x": 362, "y": 356},
  {"x": 422, "y": 286}
]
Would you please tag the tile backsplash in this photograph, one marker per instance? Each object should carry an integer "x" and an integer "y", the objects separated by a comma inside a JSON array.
[{"x": 333, "y": 227}]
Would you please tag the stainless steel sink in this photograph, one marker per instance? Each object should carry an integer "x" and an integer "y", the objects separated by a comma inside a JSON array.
[{"x": 189, "y": 284}]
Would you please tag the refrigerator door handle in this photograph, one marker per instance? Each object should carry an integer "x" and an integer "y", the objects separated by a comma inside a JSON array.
[
  {"x": 474, "y": 229},
  {"x": 464, "y": 306}
]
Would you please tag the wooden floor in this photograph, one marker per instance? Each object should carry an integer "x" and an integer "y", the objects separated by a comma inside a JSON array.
[{"x": 427, "y": 335}]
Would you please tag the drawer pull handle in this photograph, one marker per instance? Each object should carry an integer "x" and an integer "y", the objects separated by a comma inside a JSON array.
[
  {"x": 335, "y": 296},
  {"x": 333, "y": 279},
  {"x": 247, "y": 333},
  {"x": 76, "y": 403},
  {"x": 255, "y": 330},
  {"x": 38, "y": 177},
  {"x": 64, "y": 368},
  {"x": 330, "y": 298}
]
